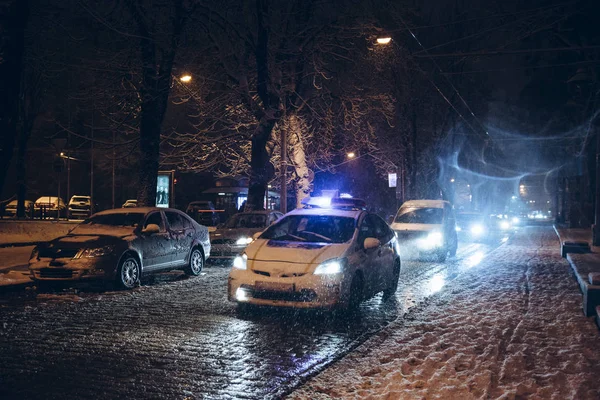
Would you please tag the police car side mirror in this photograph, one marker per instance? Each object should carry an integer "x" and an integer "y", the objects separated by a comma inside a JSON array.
[{"x": 371, "y": 243}]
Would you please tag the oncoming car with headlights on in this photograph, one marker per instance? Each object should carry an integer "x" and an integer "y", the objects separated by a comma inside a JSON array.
[
  {"x": 121, "y": 246},
  {"x": 231, "y": 238},
  {"x": 428, "y": 226},
  {"x": 318, "y": 258}
]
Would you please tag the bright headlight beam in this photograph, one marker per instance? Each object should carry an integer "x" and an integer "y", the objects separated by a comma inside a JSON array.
[
  {"x": 243, "y": 240},
  {"x": 240, "y": 262},
  {"x": 329, "y": 268}
]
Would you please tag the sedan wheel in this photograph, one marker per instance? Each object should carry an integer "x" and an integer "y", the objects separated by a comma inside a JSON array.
[
  {"x": 129, "y": 273},
  {"x": 196, "y": 263}
]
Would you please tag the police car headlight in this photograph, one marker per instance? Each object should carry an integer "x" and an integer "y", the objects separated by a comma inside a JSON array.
[
  {"x": 240, "y": 262},
  {"x": 243, "y": 240},
  {"x": 329, "y": 267},
  {"x": 504, "y": 225}
]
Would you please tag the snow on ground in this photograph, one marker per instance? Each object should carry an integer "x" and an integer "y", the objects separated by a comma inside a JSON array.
[
  {"x": 11, "y": 257},
  {"x": 512, "y": 328},
  {"x": 12, "y": 231},
  {"x": 14, "y": 278}
]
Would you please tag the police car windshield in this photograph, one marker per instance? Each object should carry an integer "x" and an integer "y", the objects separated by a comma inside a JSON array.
[
  {"x": 420, "y": 216},
  {"x": 312, "y": 228}
]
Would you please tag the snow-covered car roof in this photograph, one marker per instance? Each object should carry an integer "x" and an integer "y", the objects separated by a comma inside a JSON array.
[
  {"x": 326, "y": 212},
  {"x": 137, "y": 210},
  {"x": 424, "y": 204}
]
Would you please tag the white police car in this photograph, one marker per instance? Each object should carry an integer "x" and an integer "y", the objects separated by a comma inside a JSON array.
[{"x": 330, "y": 255}]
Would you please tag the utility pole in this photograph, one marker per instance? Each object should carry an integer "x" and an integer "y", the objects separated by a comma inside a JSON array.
[
  {"x": 92, "y": 164},
  {"x": 113, "y": 169}
]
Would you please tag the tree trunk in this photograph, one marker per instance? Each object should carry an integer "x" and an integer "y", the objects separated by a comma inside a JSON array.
[
  {"x": 12, "y": 47},
  {"x": 261, "y": 171},
  {"x": 150, "y": 125},
  {"x": 302, "y": 183}
]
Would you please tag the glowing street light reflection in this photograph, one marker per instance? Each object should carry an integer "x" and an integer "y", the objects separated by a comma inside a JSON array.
[
  {"x": 474, "y": 259},
  {"x": 436, "y": 283}
]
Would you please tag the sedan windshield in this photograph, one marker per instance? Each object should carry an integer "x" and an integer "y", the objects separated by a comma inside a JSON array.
[
  {"x": 116, "y": 220},
  {"x": 420, "y": 216},
  {"x": 246, "y": 221},
  {"x": 312, "y": 228}
]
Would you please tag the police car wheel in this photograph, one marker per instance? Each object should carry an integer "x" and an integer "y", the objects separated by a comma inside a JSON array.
[
  {"x": 355, "y": 295},
  {"x": 391, "y": 290}
]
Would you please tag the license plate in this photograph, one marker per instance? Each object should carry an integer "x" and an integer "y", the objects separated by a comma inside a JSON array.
[{"x": 274, "y": 286}]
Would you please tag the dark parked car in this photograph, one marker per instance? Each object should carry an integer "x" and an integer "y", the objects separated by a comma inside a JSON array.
[{"x": 122, "y": 245}]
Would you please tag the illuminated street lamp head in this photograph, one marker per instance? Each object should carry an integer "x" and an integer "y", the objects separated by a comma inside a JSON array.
[
  {"x": 185, "y": 78},
  {"x": 384, "y": 40},
  {"x": 452, "y": 180},
  {"x": 351, "y": 155}
]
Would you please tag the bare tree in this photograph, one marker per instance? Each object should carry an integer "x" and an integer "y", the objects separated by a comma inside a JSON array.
[{"x": 13, "y": 18}]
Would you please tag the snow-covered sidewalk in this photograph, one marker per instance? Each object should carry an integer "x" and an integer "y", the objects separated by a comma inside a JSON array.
[{"x": 510, "y": 328}]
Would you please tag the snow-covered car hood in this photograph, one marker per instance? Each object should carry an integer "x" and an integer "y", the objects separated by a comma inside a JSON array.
[
  {"x": 234, "y": 233},
  {"x": 294, "y": 252},
  {"x": 102, "y": 230},
  {"x": 415, "y": 227}
]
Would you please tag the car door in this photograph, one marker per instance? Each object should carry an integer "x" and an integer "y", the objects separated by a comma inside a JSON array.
[
  {"x": 367, "y": 258},
  {"x": 181, "y": 231},
  {"x": 383, "y": 266},
  {"x": 156, "y": 247}
]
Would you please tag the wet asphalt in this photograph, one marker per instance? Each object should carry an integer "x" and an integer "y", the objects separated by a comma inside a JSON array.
[{"x": 179, "y": 337}]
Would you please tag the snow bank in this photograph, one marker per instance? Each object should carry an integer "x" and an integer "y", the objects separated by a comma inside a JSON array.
[
  {"x": 510, "y": 328},
  {"x": 32, "y": 231}
]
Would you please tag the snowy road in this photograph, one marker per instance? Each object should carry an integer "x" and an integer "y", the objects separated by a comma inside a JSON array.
[{"x": 177, "y": 337}]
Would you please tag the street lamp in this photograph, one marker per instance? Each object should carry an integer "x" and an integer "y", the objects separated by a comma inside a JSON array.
[
  {"x": 186, "y": 78},
  {"x": 351, "y": 155},
  {"x": 384, "y": 40}
]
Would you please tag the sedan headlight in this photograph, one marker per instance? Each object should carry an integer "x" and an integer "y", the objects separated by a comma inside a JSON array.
[
  {"x": 243, "y": 241},
  {"x": 240, "y": 262},
  {"x": 477, "y": 229},
  {"x": 97, "y": 252},
  {"x": 329, "y": 267},
  {"x": 34, "y": 253},
  {"x": 504, "y": 225},
  {"x": 431, "y": 241}
]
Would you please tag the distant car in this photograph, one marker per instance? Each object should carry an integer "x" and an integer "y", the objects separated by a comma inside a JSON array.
[
  {"x": 317, "y": 258},
  {"x": 130, "y": 203},
  {"x": 231, "y": 238},
  {"x": 203, "y": 212},
  {"x": 121, "y": 246},
  {"x": 500, "y": 223},
  {"x": 80, "y": 206},
  {"x": 11, "y": 208},
  {"x": 472, "y": 226},
  {"x": 50, "y": 206},
  {"x": 428, "y": 226}
]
